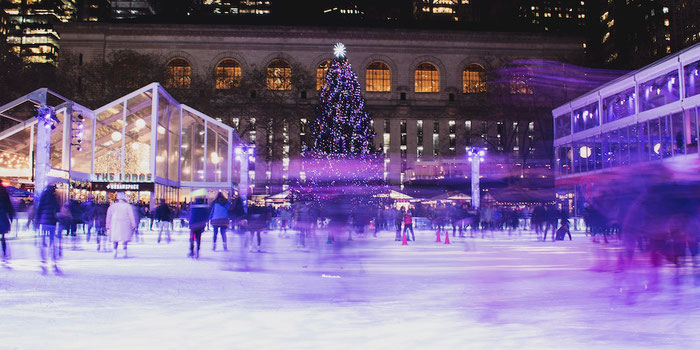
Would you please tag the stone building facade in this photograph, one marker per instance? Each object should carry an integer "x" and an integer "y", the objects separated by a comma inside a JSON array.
[{"x": 426, "y": 83}]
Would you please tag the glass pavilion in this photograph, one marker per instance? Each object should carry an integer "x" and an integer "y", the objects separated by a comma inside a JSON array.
[
  {"x": 145, "y": 143},
  {"x": 649, "y": 115}
]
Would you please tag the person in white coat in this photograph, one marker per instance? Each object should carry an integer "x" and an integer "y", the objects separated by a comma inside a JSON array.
[{"x": 120, "y": 222}]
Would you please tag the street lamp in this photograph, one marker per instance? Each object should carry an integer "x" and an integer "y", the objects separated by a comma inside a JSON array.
[
  {"x": 476, "y": 157},
  {"x": 244, "y": 154}
]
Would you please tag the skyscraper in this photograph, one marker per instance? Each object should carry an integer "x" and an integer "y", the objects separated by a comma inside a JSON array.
[
  {"x": 633, "y": 33},
  {"x": 29, "y": 27},
  {"x": 555, "y": 15},
  {"x": 133, "y": 9},
  {"x": 235, "y": 7},
  {"x": 445, "y": 10},
  {"x": 94, "y": 10}
]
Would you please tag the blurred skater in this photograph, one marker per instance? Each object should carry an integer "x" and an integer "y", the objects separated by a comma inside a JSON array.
[
  {"x": 165, "y": 217},
  {"x": 408, "y": 225},
  {"x": 198, "y": 222},
  {"x": 100, "y": 219},
  {"x": 7, "y": 214},
  {"x": 121, "y": 223},
  {"x": 218, "y": 217},
  {"x": 46, "y": 217}
]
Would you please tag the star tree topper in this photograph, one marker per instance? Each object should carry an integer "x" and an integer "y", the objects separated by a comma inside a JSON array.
[{"x": 339, "y": 50}]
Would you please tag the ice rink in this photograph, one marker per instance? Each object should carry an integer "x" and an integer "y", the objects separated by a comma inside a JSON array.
[{"x": 369, "y": 293}]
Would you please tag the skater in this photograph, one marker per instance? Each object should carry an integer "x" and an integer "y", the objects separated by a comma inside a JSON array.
[
  {"x": 398, "y": 220},
  {"x": 257, "y": 222},
  {"x": 46, "y": 218},
  {"x": 121, "y": 223},
  {"x": 100, "y": 217},
  {"x": 88, "y": 212},
  {"x": 408, "y": 225},
  {"x": 218, "y": 217},
  {"x": 198, "y": 222},
  {"x": 7, "y": 214},
  {"x": 165, "y": 217},
  {"x": 563, "y": 230}
]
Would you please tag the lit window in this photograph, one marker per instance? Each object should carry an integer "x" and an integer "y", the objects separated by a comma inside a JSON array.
[
  {"x": 321, "y": 74},
  {"x": 665, "y": 10},
  {"x": 178, "y": 73},
  {"x": 378, "y": 77},
  {"x": 667, "y": 22},
  {"x": 427, "y": 78},
  {"x": 279, "y": 75},
  {"x": 473, "y": 79},
  {"x": 228, "y": 74}
]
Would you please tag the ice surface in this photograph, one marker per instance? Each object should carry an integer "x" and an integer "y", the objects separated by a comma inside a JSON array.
[{"x": 501, "y": 293}]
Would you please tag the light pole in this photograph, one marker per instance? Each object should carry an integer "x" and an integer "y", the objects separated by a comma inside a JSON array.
[
  {"x": 244, "y": 154},
  {"x": 476, "y": 157}
]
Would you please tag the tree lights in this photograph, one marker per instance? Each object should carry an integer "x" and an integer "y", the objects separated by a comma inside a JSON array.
[{"x": 342, "y": 140}]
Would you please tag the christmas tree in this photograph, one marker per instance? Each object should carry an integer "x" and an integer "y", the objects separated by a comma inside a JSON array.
[
  {"x": 341, "y": 126},
  {"x": 341, "y": 158}
]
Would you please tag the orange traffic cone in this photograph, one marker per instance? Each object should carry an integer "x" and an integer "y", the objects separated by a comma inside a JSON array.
[
  {"x": 437, "y": 234},
  {"x": 403, "y": 242},
  {"x": 447, "y": 237}
]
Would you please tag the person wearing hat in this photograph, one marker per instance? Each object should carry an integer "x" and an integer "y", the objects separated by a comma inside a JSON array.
[{"x": 120, "y": 222}]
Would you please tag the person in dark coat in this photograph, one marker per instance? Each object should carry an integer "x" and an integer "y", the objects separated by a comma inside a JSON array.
[
  {"x": 257, "y": 219},
  {"x": 88, "y": 211},
  {"x": 46, "y": 217},
  {"x": 7, "y": 214},
  {"x": 165, "y": 217},
  {"x": 199, "y": 214},
  {"x": 100, "y": 217}
]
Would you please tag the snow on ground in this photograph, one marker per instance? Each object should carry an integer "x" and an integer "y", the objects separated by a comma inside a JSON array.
[{"x": 502, "y": 293}]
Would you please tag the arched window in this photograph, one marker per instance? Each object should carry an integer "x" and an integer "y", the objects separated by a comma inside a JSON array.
[
  {"x": 378, "y": 77},
  {"x": 321, "y": 74},
  {"x": 427, "y": 78},
  {"x": 279, "y": 75},
  {"x": 178, "y": 72},
  {"x": 228, "y": 74},
  {"x": 473, "y": 80}
]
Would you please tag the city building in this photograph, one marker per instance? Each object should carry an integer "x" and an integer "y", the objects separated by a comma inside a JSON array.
[
  {"x": 555, "y": 15},
  {"x": 145, "y": 143},
  {"x": 94, "y": 10},
  {"x": 29, "y": 27},
  {"x": 133, "y": 9},
  {"x": 426, "y": 95},
  {"x": 444, "y": 10},
  {"x": 235, "y": 7},
  {"x": 636, "y": 33},
  {"x": 645, "y": 118}
]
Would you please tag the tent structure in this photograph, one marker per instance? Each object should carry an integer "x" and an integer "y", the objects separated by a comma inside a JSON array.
[
  {"x": 396, "y": 195},
  {"x": 451, "y": 196},
  {"x": 514, "y": 196},
  {"x": 145, "y": 142}
]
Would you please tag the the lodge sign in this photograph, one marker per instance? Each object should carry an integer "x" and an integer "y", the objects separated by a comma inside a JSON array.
[{"x": 118, "y": 177}]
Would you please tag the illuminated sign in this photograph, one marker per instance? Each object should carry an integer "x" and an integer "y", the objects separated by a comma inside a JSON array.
[
  {"x": 112, "y": 177},
  {"x": 123, "y": 186}
]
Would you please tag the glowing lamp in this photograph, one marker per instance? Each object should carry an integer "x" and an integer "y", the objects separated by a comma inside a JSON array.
[
  {"x": 140, "y": 124},
  {"x": 116, "y": 136},
  {"x": 584, "y": 152},
  {"x": 657, "y": 148}
]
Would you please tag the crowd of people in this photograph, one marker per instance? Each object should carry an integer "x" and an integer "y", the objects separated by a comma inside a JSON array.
[{"x": 114, "y": 225}]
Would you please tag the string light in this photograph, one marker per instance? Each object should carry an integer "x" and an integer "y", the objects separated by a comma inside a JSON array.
[{"x": 341, "y": 157}]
